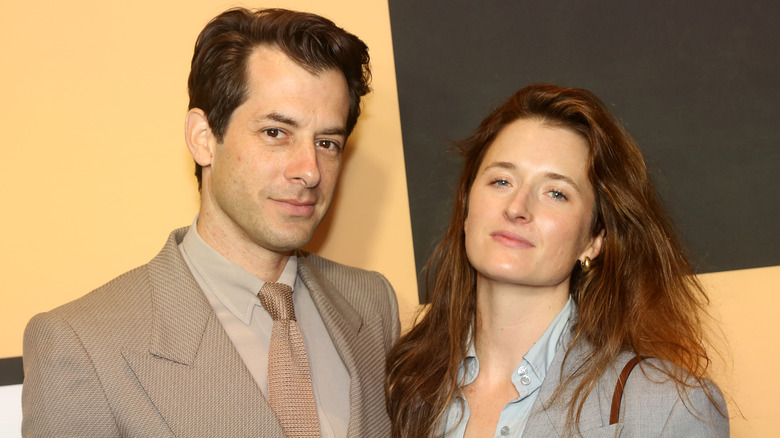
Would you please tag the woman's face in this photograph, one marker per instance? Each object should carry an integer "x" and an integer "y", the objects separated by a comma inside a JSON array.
[{"x": 531, "y": 207}]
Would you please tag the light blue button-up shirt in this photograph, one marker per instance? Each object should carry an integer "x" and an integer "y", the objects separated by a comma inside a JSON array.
[{"x": 527, "y": 378}]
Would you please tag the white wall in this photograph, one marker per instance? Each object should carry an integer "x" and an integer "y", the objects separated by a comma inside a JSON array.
[{"x": 11, "y": 411}]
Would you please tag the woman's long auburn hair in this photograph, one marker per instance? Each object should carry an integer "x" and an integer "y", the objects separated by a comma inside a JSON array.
[{"x": 640, "y": 295}]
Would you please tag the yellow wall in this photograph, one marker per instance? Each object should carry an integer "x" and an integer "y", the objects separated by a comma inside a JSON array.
[
  {"x": 94, "y": 172},
  {"x": 745, "y": 303}
]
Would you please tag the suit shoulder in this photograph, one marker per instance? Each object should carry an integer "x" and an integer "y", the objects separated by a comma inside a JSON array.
[
  {"x": 326, "y": 265},
  {"x": 130, "y": 287},
  {"x": 110, "y": 295},
  {"x": 367, "y": 291},
  {"x": 105, "y": 318},
  {"x": 653, "y": 399},
  {"x": 340, "y": 274}
]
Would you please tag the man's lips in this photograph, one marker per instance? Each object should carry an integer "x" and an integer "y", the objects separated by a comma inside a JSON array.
[
  {"x": 296, "y": 207},
  {"x": 512, "y": 240}
]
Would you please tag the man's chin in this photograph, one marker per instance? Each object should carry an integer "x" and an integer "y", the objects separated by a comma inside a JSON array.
[{"x": 286, "y": 243}]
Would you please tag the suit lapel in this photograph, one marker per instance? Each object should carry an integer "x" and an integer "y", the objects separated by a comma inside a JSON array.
[
  {"x": 355, "y": 340},
  {"x": 341, "y": 320},
  {"x": 549, "y": 418},
  {"x": 181, "y": 311},
  {"x": 192, "y": 373},
  {"x": 543, "y": 420}
]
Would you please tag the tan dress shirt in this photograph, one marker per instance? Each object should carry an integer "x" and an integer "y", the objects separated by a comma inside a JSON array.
[{"x": 232, "y": 293}]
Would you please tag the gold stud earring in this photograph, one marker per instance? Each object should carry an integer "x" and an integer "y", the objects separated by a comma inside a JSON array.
[{"x": 585, "y": 264}]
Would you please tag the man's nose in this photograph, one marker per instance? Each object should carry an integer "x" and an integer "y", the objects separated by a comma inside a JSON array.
[{"x": 304, "y": 166}]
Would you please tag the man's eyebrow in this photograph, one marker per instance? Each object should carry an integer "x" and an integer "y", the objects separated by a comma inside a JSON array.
[
  {"x": 281, "y": 118},
  {"x": 334, "y": 131},
  {"x": 289, "y": 121}
]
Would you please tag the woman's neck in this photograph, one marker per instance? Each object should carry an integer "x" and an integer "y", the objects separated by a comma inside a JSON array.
[{"x": 511, "y": 318}]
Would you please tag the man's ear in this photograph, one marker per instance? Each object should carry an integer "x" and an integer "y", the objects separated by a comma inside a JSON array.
[{"x": 200, "y": 140}]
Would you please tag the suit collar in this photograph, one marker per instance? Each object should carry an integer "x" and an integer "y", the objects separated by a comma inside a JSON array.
[
  {"x": 547, "y": 416},
  {"x": 175, "y": 292},
  {"x": 192, "y": 341},
  {"x": 347, "y": 329},
  {"x": 341, "y": 319},
  {"x": 198, "y": 359}
]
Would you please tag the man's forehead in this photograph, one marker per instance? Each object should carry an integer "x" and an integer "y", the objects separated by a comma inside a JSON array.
[{"x": 270, "y": 51}]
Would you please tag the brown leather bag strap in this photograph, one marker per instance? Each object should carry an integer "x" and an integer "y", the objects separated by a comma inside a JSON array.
[{"x": 617, "y": 396}]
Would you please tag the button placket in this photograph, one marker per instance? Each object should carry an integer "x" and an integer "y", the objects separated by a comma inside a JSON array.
[{"x": 522, "y": 371}]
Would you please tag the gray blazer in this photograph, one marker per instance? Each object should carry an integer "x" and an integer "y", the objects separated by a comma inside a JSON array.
[
  {"x": 651, "y": 406},
  {"x": 146, "y": 356}
]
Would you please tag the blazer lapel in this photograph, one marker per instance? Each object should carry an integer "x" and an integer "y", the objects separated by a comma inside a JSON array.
[
  {"x": 548, "y": 418},
  {"x": 543, "y": 419},
  {"x": 192, "y": 374},
  {"x": 355, "y": 340}
]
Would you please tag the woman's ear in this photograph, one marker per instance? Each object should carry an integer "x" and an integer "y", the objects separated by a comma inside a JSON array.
[
  {"x": 200, "y": 140},
  {"x": 594, "y": 249}
]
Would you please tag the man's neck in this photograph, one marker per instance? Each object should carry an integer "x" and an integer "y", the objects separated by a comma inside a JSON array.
[{"x": 267, "y": 265}]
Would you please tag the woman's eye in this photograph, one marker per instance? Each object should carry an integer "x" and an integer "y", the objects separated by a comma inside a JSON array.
[
  {"x": 557, "y": 194},
  {"x": 500, "y": 182}
]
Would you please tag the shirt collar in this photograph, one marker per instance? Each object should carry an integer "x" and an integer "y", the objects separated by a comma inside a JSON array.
[
  {"x": 539, "y": 356},
  {"x": 542, "y": 353},
  {"x": 235, "y": 287},
  {"x": 469, "y": 368}
]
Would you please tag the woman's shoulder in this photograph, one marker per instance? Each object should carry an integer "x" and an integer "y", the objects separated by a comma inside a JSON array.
[{"x": 656, "y": 404}]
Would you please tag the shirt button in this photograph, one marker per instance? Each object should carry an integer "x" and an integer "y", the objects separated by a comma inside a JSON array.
[
  {"x": 525, "y": 380},
  {"x": 505, "y": 431},
  {"x": 522, "y": 370}
]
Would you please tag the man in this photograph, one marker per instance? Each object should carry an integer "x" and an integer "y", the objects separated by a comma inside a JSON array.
[{"x": 185, "y": 345}]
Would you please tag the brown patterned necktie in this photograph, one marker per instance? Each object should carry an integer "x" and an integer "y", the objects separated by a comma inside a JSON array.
[{"x": 290, "y": 392}]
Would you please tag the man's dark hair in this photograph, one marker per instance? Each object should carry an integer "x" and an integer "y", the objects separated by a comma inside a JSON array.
[{"x": 219, "y": 74}]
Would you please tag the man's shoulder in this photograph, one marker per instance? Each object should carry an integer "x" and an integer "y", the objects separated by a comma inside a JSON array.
[
  {"x": 367, "y": 292},
  {"x": 329, "y": 267},
  {"x": 345, "y": 278},
  {"x": 354, "y": 284},
  {"x": 127, "y": 283},
  {"x": 128, "y": 287}
]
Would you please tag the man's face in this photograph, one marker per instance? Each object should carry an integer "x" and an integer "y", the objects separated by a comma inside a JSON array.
[{"x": 271, "y": 180}]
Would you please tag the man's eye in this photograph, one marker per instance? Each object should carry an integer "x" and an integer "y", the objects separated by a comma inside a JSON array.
[
  {"x": 272, "y": 132},
  {"x": 327, "y": 144}
]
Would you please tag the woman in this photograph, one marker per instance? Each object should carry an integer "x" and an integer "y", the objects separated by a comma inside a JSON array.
[{"x": 559, "y": 267}]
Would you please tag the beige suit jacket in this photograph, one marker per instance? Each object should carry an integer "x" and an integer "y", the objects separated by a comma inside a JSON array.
[{"x": 146, "y": 356}]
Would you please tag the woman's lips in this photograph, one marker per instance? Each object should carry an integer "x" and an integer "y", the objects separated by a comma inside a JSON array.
[{"x": 512, "y": 240}]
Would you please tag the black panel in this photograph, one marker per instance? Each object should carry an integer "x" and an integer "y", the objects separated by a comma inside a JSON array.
[
  {"x": 11, "y": 371},
  {"x": 697, "y": 83}
]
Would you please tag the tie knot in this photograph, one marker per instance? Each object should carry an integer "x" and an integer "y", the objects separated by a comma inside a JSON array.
[{"x": 277, "y": 300}]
